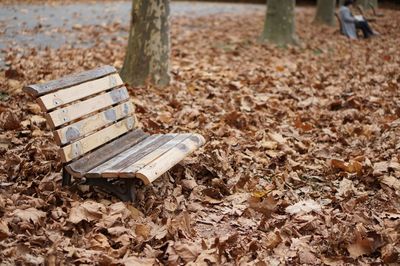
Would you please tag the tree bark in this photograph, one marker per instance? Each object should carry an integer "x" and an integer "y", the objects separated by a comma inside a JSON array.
[
  {"x": 279, "y": 27},
  {"x": 374, "y": 3},
  {"x": 148, "y": 51},
  {"x": 325, "y": 12},
  {"x": 367, "y": 4}
]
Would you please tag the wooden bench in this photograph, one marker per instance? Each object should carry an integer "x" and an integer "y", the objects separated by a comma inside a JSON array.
[
  {"x": 93, "y": 122},
  {"x": 341, "y": 25}
]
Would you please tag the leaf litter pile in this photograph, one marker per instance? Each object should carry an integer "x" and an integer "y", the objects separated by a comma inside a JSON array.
[{"x": 301, "y": 164}]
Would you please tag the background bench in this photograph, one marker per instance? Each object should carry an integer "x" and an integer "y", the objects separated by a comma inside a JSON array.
[{"x": 93, "y": 122}]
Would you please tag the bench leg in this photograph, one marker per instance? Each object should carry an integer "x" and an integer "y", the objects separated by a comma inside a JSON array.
[
  {"x": 66, "y": 178},
  {"x": 124, "y": 190}
]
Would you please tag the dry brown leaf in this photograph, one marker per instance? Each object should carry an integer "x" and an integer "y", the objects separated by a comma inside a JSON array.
[
  {"x": 380, "y": 168},
  {"x": 9, "y": 121},
  {"x": 135, "y": 213},
  {"x": 272, "y": 240},
  {"x": 361, "y": 245},
  {"x": 38, "y": 121},
  {"x": 4, "y": 231},
  {"x": 28, "y": 215},
  {"x": 304, "y": 206},
  {"x": 5, "y": 142},
  {"x": 99, "y": 242},
  {"x": 390, "y": 181},
  {"x": 307, "y": 257},
  {"x": 346, "y": 188},
  {"x": 390, "y": 254},
  {"x": 187, "y": 252},
  {"x": 350, "y": 167},
  {"x": 129, "y": 261},
  {"x": 165, "y": 117},
  {"x": 34, "y": 108},
  {"x": 277, "y": 138},
  {"x": 142, "y": 230},
  {"x": 117, "y": 230},
  {"x": 265, "y": 205},
  {"x": 86, "y": 211}
]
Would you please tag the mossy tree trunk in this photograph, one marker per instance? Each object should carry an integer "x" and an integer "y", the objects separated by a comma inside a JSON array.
[
  {"x": 325, "y": 12},
  {"x": 374, "y": 3},
  {"x": 279, "y": 27},
  {"x": 367, "y": 4},
  {"x": 148, "y": 51}
]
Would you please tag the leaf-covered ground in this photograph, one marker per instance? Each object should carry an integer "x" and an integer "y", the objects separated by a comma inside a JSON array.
[{"x": 301, "y": 165}]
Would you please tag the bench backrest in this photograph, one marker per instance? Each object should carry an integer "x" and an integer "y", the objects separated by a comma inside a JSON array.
[
  {"x": 340, "y": 22},
  {"x": 85, "y": 110}
]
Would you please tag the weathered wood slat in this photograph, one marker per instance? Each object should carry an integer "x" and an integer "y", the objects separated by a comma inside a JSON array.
[
  {"x": 97, "y": 171},
  {"x": 84, "y": 127},
  {"x": 67, "y": 114},
  {"x": 68, "y": 95},
  {"x": 93, "y": 159},
  {"x": 130, "y": 171},
  {"x": 95, "y": 140},
  {"x": 166, "y": 161},
  {"x": 67, "y": 81},
  {"x": 117, "y": 168}
]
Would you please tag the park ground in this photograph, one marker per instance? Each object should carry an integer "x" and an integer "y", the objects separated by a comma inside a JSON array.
[{"x": 301, "y": 164}]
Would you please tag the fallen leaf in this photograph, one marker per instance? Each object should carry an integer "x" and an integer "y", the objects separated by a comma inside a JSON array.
[
  {"x": 272, "y": 240},
  {"x": 4, "y": 231},
  {"x": 346, "y": 188},
  {"x": 350, "y": 167},
  {"x": 390, "y": 181},
  {"x": 361, "y": 245},
  {"x": 131, "y": 261},
  {"x": 28, "y": 215},
  {"x": 99, "y": 242},
  {"x": 142, "y": 230},
  {"x": 86, "y": 211},
  {"x": 277, "y": 138},
  {"x": 304, "y": 206}
]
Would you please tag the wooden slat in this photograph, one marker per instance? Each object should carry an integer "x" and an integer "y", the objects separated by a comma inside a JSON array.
[
  {"x": 77, "y": 110},
  {"x": 70, "y": 94},
  {"x": 138, "y": 148},
  {"x": 131, "y": 170},
  {"x": 93, "y": 159},
  {"x": 84, "y": 127},
  {"x": 67, "y": 81},
  {"x": 95, "y": 140},
  {"x": 115, "y": 169},
  {"x": 166, "y": 161}
]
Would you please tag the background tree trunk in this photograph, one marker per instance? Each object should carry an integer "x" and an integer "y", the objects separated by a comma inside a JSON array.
[
  {"x": 148, "y": 51},
  {"x": 279, "y": 27},
  {"x": 325, "y": 12},
  {"x": 374, "y": 3},
  {"x": 366, "y": 4}
]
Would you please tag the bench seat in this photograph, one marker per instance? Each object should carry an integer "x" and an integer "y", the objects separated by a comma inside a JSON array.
[
  {"x": 147, "y": 159},
  {"x": 93, "y": 122}
]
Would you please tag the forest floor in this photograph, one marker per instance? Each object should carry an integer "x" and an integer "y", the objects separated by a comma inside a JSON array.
[{"x": 301, "y": 164}]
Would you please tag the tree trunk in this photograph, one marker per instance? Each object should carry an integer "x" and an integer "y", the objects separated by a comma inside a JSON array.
[
  {"x": 148, "y": 51},
  {"x": 374, "y": 3},
  {"x": 367, "y": 4},
  {"x": 279, "y": 27},
  {"x": 325, "y": 12}
]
